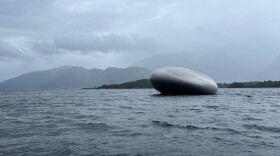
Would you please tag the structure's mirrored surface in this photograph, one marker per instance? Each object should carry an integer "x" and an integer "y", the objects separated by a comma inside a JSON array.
[{"x": 180, "y": 80}]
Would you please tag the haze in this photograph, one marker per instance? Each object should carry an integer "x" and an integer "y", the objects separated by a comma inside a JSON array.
[{"x": 39, "y": 35}]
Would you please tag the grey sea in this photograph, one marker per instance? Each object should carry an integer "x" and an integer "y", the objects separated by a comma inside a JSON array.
[{"x": 139, "y": 122}]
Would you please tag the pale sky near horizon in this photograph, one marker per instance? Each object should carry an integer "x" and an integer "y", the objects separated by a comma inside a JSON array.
[{"x": 42, "y": 34}]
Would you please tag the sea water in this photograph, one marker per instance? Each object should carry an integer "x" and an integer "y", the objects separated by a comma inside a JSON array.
[{"x": 139, "y": 122}]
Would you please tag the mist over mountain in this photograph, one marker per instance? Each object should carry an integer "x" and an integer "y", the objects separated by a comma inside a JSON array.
[
  {"x": 271, "y": 72},
  {"x": 74, "y": 77},
  {"x": 223, "y": 67}
]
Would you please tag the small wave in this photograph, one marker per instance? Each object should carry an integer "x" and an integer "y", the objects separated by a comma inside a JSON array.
[
  {"x": 263, "y": 128},
  {"x": 232, "y": 131},
  {"x": 126, "y": 107},
  {"x": 55, "y": 132},
  {"x": 212, "y": 107},
  {"x": 163, "y": 124},
  {"x": 217, "y": 138},
  {"x": 229, "y": 130},
  {"x": 170, "y": 95},
  {"x": 196, "y": 109},
  {"x": 121, "y": 154},
  {"x": 166, "y": 124},
  {"x": 95, "y": 126},
  {"x": 139, "y": 112},
  {"x": 87, "y": 116},
  {"x": 191, "y": 127},
  {"x": 237, "y": 94},
  {"x": 251, "y": 119},
  {"x": 248, "y": 96},
  {"x": 135, "y": 134},
  {"x": 62, "y": 151},
  {"x": 156, "y": 95}
]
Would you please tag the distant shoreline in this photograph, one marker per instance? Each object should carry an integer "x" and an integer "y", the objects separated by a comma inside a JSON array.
[
  {"x": 139, "y": 84},
  {"x": 145, "y": 84}
]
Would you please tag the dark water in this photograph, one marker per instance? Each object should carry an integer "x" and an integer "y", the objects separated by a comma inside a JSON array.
[{"x": 137, "y": 122}]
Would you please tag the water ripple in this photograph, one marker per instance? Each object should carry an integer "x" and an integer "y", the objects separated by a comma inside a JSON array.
[
  {"x": 139, "y": 122},
  {"x": 263, "y": 128}
]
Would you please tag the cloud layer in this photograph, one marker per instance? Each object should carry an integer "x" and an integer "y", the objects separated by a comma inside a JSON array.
[
  {"x": 87, "y": 42},
  {"x": 36, "y": 35}
]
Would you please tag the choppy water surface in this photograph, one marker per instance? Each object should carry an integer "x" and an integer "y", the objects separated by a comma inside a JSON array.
[{"x": 138, "y": 122}]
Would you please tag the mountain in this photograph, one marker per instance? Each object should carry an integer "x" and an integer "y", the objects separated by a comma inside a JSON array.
[
  {"x": 74, "y": 77},
  {"x": 223, "y": 67},
  {"x": 271, "y": 72}
]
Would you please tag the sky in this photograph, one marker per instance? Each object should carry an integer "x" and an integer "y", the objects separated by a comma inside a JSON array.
[{"x": 43, "y": 34}]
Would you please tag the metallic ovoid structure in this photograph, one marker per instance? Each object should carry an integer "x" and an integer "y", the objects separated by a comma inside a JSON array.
[{"x": 182, "y": 81}]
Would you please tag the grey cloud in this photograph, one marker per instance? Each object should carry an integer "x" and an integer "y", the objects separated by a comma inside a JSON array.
[
  {"x": 87, "y": 42},
  {"x": 9, "y": 51},
  {"x": 45, "y": 48},
  {"x": 24, "y": 15},
  {"x": 60, "y": 16},
  {"x": 208, "y": 25},
  {"x": 123, "y": 31}
]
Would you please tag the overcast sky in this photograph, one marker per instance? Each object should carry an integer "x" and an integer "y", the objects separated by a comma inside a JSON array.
[{"x": 42, "y": 34}]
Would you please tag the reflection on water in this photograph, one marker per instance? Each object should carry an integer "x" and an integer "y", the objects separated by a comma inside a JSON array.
[{"x": 131, "y": 122}]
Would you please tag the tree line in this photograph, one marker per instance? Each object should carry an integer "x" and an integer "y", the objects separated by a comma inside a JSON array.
[
  {"x": 145, "y": 83},
  {"x": 255, "y": 84}
]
